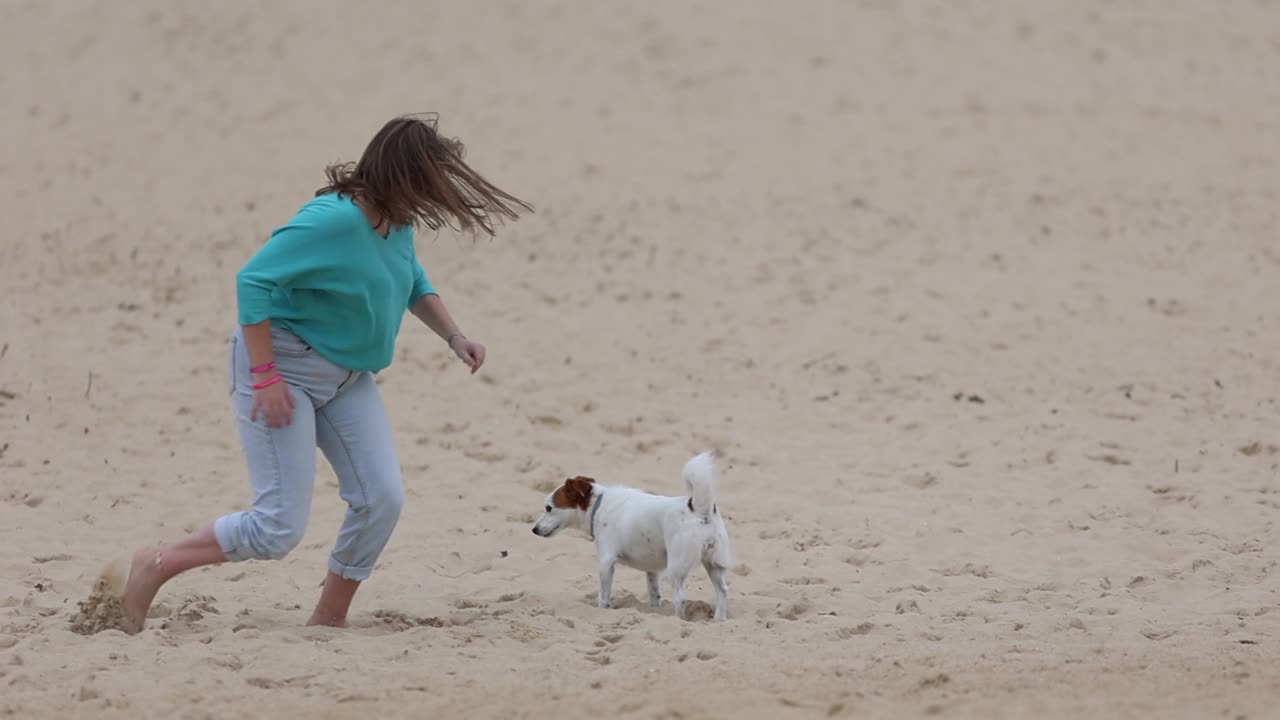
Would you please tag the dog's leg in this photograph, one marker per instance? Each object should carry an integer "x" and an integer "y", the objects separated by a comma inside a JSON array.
[
  {"x": 606, "y": 581},
  {"x": 655, "y": 592},
  {"x": 677, "y": 576},
  {"x": 721, "y": 585}
]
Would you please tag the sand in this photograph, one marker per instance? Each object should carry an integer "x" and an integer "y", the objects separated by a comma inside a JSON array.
[{"x": 976, "y": 300}]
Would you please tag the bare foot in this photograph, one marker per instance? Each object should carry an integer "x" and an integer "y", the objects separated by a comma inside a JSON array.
[
  {"x": 335, "y": 601},
  {"x": 317, "y": 619},
  {"x": 145, "y": 578}
]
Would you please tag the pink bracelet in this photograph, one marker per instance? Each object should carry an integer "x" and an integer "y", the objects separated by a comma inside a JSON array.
[
  {"x": 267, "y": 383},
  {"x": 263, "y": 368}
]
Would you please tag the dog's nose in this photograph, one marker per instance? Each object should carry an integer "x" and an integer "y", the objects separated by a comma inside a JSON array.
[{"x": 535, "y": 531}]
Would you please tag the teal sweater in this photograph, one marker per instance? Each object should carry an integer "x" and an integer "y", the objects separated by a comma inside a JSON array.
[{"x": 327, "y": 276}]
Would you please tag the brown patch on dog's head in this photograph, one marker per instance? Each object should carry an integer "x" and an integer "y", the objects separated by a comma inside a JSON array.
[{"x": 575, "y": 493}]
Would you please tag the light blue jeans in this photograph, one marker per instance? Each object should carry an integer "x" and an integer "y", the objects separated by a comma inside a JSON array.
[{"x": 340, "y": 412}]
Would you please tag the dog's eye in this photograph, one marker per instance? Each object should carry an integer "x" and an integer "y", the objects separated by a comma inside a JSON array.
[{"x": 548, "y": 508}]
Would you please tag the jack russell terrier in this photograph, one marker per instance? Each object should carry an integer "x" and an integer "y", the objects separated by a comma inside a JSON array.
[{"x": 651, "y": 533}]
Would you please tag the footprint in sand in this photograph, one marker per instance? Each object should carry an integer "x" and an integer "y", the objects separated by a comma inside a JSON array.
[
  {"x": 597, "y": 658},
  {"x": 56, "y": 557},
  {"x": 847, "y": 632},
  {"x": 907, "y": 606},
  {"x": 794, "y": 609},
  {"x": 482, "y": 453},
  {"x": 28, "y": 499},
  {"x": 602, "y": 647},
  {"x": 698, "y": 611},
  {"x": 399, "y": 622},
  {"x": 193, "y": 609},
  {"x": 545, "y": 485},
  {"x": 803, "y": 580},
  {"x": 626, "y": 429},
  {"x": 979, "y": 571},
  {"x": 230, "y": 662},
  {"x": 599, "y": 652},
  {"x": 859, "y": 559}
]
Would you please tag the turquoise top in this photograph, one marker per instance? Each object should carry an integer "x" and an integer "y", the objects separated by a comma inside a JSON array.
[{"x": 332, "y": 280}]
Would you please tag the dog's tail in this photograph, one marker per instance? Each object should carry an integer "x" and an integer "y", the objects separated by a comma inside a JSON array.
[{"x": 700, "y": 481}]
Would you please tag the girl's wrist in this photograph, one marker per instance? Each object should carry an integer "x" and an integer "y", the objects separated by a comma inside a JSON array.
[
  {"x": 455, "y": 335},
  {"x": 266, "y": 382},
  {"x": 265, "y": 368},
  {"x": 261, "y": 374}
]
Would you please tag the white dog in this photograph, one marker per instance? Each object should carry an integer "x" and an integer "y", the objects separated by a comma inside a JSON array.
[{"x": 648, "y": 532}]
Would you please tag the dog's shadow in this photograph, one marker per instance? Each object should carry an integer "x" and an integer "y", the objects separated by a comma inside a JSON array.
[{"x": 694, "y": 610}]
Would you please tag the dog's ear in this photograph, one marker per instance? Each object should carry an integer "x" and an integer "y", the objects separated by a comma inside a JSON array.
[{"x": 578, "y": 491}]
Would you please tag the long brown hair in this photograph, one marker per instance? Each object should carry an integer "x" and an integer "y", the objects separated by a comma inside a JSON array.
[{"x": 410, "y": 175}]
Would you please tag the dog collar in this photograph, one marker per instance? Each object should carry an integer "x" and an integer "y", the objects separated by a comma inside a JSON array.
[{"x": 594, "y": 507}]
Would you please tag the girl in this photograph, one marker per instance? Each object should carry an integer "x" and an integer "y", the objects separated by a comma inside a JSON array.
[{"x": 319, "y": 308}]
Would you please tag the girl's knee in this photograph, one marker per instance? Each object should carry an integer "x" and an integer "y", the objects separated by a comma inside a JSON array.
[
  {"x": 388, "y": 502},
  {"x": 278, "y": 536},
  {"x": 256, "y": 535}
]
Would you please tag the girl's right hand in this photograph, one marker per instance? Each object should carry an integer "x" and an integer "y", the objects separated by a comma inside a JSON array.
[{"x": 275, "y": 403}]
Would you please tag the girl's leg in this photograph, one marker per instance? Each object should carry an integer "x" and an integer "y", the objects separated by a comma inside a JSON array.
[
  {"x": 153, "y": 567},
  {"x": 353, "y": 432},
  {"x": 281, "y": 464},
  {"x": 335, "y": 601},
  {"x": 282, "y": 471}
]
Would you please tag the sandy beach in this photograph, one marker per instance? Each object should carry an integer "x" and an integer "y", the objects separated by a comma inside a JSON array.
[{"x": 976, "y": 301}]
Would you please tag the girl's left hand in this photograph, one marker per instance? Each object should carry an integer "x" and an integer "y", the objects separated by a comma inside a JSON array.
[{"x": 470, "y": 352}]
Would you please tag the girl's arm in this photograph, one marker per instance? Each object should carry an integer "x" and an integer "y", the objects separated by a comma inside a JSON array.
[
  {"x": 431, "y": 311},
  {"x": 257, "y": 342},
  {"x": 426, "y": 305}
]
